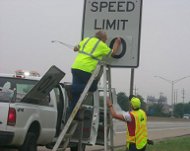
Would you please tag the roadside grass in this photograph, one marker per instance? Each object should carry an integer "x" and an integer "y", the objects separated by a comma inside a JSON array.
[{"x": 171, "y": 144}]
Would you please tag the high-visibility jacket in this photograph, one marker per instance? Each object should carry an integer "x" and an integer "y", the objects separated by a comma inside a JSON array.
[
  {"x": 90, "y": 52},
  {"x": 137, "y": 129}
]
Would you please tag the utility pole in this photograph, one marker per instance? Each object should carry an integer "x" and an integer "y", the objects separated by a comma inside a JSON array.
[
  {"x": 183, "y": 95},
  {"x": 172, "y": 82},
  {"x": 175, "y": 96},
  {"x": 183, "y": 98}
]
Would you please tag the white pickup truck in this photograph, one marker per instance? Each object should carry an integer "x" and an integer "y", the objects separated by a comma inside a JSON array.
[{"x": 33, "y": 112}]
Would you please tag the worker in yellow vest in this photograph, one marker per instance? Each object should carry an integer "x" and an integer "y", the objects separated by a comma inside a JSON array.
[
  {"x": 90, "y": 50},
  {"x": 136, "y": 119}
]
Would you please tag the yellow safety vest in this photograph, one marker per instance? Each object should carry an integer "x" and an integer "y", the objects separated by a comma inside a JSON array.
[
  {"x": 141, "y": 135},
  {"x": 91, "y": 51}
]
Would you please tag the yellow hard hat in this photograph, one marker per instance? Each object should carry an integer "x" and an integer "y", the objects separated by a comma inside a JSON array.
[{"x": 136, "y": 103}]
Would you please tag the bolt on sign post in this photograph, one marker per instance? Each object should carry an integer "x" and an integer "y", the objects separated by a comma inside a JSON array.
[{"x": 118, "y": 18}]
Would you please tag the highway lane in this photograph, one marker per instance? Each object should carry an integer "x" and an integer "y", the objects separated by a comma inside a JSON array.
[
  {"x": 157, "y": 129},
  {"x": 161, "y": 129},
  {"x": 157, "y": 125}
]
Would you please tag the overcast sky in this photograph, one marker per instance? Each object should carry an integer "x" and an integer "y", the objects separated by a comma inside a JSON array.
[{"x": 28, "y": 27}]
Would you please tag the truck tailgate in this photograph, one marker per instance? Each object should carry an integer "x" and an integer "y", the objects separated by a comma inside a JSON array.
[{"x": 4, "y": 107}]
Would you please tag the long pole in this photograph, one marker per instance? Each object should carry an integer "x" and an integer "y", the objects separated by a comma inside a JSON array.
[
  {"x": 172, "y": 98},
  {"x": 132, "y": 81}
]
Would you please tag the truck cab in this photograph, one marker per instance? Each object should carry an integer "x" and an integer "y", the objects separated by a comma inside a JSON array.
[
  {"x": 29, "y": 109},
  {"x": 34, "y": 112}
]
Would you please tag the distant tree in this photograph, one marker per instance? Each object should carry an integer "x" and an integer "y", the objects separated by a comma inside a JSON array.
[
  {"x": 123, "y": 101},
  {"x": 187, "y": 108},
  {"x": 155, "y": 110},
  {"x": 178, "y": 110}
]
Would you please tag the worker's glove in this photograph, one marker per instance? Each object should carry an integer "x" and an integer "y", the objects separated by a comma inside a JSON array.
[
  {"x": 150, "y": 142},
  {"x": 76, "y": 48}
]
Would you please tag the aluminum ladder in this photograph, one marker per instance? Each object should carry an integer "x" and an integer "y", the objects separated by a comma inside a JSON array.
[{"x": 71, "y": 124}]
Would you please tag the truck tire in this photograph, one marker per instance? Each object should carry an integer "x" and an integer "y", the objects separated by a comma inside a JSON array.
[
  {"x": 75, "y": 148},
  {"x": 30, "y": 143}
]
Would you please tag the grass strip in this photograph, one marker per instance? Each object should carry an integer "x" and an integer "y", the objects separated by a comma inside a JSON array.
[{"x": 181, "y": 143}]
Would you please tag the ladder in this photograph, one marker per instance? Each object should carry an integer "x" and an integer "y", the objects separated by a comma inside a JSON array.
[
  {"x": 108, "y": 122},
  {"x": 65, "y": 135}
]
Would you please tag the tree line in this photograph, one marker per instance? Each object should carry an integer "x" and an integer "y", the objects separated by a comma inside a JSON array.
[{"x": 157, "y": 107}]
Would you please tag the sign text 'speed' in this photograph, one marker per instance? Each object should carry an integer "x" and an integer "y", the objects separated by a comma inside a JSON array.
[{"x": 115, "y": 6}]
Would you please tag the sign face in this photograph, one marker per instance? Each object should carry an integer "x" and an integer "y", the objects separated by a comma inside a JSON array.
[
  {"x": 119, "y": 18},
  {"x": 41, "y": 90}
]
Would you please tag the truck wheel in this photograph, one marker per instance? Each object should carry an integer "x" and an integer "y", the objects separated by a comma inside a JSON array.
[
  {"x": 75, "y": 148},
  {"x": 30, "y": 143}
]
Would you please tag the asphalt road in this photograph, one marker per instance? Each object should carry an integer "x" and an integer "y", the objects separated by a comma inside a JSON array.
[{"x": 158, "y": 128}]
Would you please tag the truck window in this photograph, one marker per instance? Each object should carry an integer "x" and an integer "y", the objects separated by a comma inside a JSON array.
[
  {"x": 58, "y": 97},
  {"x": 18, "y": 85},
  {"x": 101, "y": 98},
  {"x": 6, "y": 95},
  {"x": 89, "y": 101},
  {"x": 57, "y": 94}
]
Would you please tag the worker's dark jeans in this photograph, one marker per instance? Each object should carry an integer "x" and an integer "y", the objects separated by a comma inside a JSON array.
[
  {"x": 80, "y": 79},
  {"x": 132, "y": 147}
]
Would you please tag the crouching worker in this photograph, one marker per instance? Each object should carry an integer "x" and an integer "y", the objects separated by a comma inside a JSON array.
[{"x": 136, "y": 120}]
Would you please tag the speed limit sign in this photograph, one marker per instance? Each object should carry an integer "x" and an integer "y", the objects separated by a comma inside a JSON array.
[{"x": 118, "y": 18}]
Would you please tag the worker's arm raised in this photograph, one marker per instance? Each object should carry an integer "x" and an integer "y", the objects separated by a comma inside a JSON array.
[{"x": 113, "y": 112}]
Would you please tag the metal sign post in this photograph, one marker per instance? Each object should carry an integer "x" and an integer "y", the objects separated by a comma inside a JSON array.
[{"x": 132, "y": 81}]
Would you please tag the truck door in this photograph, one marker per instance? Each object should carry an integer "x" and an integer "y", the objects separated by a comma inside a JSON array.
[
  {"x": 44, "y": 94},
  {"x": 4, "y": 107},
  {"x": 90, "y": 108}
]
